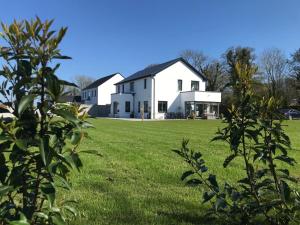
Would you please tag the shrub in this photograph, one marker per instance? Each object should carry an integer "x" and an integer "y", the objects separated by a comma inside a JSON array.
[
  {"x": 39, "y": 147},
  {"x": 254, "y": 133}
]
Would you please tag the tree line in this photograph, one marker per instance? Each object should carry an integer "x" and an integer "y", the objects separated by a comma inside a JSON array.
[{"x": 276, "y": 76}]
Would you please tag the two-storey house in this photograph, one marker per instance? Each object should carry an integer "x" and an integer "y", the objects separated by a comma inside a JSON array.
[{"x": 168, "y": 90}]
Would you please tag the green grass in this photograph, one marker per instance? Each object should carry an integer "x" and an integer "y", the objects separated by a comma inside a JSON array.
[{"x": 137, "y": 181}]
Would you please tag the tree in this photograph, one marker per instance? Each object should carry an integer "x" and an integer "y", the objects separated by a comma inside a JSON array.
[
  {"x": 295, "y": 73},
  {"x": 81, "y": 82},
  {"x": 254, "y": 133},
  {"x": 215, "y": 73},
  {"x": 39, "y": 147},
  {"x": 240, "y": 60},
  {"x": 212, "y": 70},
  {"x": 196, "y": 58},
  {"x": 273, "y": 66}
]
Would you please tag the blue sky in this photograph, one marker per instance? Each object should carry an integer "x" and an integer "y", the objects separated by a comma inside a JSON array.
[{"x": 108, "y": 36}]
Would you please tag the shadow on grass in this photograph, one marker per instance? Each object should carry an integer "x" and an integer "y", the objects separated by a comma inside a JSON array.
[
  {"x": 122, "y": 207},
  {"x": 187, "y": 218}
]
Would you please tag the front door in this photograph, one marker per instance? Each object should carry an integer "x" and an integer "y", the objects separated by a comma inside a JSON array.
[{"x": 115, "y": 107}]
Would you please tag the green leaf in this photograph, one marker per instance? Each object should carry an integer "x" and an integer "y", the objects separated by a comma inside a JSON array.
[
  {"x": 48, "y": 190},
  {"x": 22, "y": 221},
  {"x": 286, "y": 159},
  {"x": 193, "y": 182},
  {"x": 62, "y": 182},
  {"x": 207, "y": 196},
  {"x": 66, "y": 115},
  {"x": 76, "y": 137},
  {"x": 285, "y": 190},
  {"x": 71, "y": 210},
  {"x": 212, "y": 180},
  {"x": 57, "y": 219},
  {"x": 228, "y": 160},
  {"x": 187, "y": 174},
  {"x": 45, "y": 150},
  {"x": 5, "y": 189},
  {"x": 220, "y": 203},
  {"x": 25, "y": 102}
]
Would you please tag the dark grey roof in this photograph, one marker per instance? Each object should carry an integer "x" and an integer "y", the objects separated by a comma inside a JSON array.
[
  {"x": 100, "y": 81},
  {"x": 153, "y": 70}
]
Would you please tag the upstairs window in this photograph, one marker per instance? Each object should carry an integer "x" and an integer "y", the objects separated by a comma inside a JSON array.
[
  {"x": 118, "y": 89},
  {"x": 179, "y": 84},
  {"x": 145, "y": 83},
  {"x": 194, "y": 85},
  {"x": 123, "y": 88},
  {"x": 162, "y": 106},
  {"x": 131, "y": 86},
  {"x": 127, "y": 106}
]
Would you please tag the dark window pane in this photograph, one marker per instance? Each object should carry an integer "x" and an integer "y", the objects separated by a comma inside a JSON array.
[
  {"x": 162, "y": 106},
  {"x": 127, "y": 106},
  {"x": 195, "y": 85},
  {"x": 132, "y": 86},
  {"x": 179, "y": 85},
  {"x": 145, "y": 83}
]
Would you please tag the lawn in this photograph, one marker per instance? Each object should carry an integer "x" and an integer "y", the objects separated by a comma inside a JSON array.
[{"x": 137, "y": 181}]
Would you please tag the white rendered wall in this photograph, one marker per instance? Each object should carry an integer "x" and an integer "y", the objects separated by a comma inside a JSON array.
[
  {"x": 166, "y": 86},
  {"x": 121, "y": 98},
  {"x": 106, "y": 89},
  {"x": 141, "y": 94}
]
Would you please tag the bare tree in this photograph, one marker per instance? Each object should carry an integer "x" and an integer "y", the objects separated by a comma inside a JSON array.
[
  {"x": 273, "y": 64},
  {"x": 295, "y": 75},
  {"x": 196, "y": 58},
  {"x": 212, "y": 70},
  {"x": 81, "y": 81}
]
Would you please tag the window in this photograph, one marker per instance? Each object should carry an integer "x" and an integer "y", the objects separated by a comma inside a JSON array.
[
  {"x": 139, "y": 106},
  {"x": 132, "y": 86},
  {"x": 145, "y": 83},
  {"x": 145, "y": 106},
  {"x": 118, "y": 89},
  {"x": 127, "y": 106},
  {"x": 123, "y": 88},
  {"x": 195, "y": 85},
  {"x": 162, "y": 106},
  {"x": 179, "y": 85}
]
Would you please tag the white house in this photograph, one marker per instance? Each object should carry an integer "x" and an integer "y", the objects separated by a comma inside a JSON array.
[
  {"x": 99, "y": 92},
  {"x": 173, "y": 89}
]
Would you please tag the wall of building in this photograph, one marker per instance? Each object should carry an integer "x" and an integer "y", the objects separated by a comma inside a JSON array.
[
  {"x": 90, "y": 96},
  {"x": 106, "y": 89},
  {"x": 166, "y": 87},
  {"x": 121, "y": 98},
  {"x": 141, "y": 94}
]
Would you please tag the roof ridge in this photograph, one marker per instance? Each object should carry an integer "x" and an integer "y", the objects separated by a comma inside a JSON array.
[{"x": 104, "y": 79}]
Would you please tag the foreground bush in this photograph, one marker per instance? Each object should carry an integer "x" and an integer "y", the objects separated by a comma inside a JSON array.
[
  {"x": 254, "y": 133},
  {"x": 38, "y": 147}
]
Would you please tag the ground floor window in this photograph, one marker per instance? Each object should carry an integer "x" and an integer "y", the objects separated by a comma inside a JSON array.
[
  {"x": 162, "y": 106},
  {"x": 127, "y": 106},
  {"x": 145, "y": 106},
  {"x": 202, "y": 109}
]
